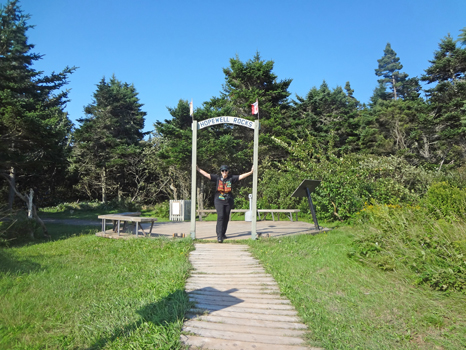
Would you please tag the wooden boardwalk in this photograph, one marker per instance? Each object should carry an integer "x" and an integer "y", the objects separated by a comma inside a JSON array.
[{"x": 237, "y": 305}]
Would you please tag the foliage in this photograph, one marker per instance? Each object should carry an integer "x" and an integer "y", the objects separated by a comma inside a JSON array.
[
  {"x": 448, "y": 74},
  {"x": 105, "y": 161},
  {"x": 34, "y": 129},
  {"x": 347, "y": 182},
  {"x": 408, "y": 237},
  {"x": 462, "y": 37},
  {"x": 389, "y": 69},
  {"x": 162, "y": 210},
  {"x": 17, "y": 228},
  {"x": 444, "y": 201},
  {"x": 327, "y": 115}
]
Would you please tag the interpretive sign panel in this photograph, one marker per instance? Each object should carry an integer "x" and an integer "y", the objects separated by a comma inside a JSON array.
[{"x": 226, "y": 120}]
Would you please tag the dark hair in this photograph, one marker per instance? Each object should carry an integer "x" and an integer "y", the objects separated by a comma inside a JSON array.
[{"x": 224, "y": 167}]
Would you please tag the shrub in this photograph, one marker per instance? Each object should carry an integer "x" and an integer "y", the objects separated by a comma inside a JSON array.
[
  {"x": 17, "y": 227},
  {"x": 162, "y": 210},
  {"x": 347, "y": 182},
  {"x": 445, "y": 201},
  {"x": 406, "y": 237}
]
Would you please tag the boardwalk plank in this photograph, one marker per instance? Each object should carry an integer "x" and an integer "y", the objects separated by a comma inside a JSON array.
[{"x": 237, "y": 306}]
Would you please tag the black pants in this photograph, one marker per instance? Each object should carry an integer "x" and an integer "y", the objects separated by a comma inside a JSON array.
[{"x": 223, "y": 216}]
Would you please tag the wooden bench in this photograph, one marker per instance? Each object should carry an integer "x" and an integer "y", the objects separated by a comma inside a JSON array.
[
  {"x": 259, "y": 211},
  {"x": 127, "y": 217},
  {"x": 210, "y": 211},
  {"x": 278, "y": 211}
]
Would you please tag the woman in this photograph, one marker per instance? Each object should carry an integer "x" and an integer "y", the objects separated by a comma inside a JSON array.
[{"x": 223, "y": 199}]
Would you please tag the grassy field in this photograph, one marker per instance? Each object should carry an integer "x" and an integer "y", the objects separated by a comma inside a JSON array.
[
  {"x": 80, "y": 291},
  {"x": 84, "y": 292},
  {"x": 348, "y": 305}
]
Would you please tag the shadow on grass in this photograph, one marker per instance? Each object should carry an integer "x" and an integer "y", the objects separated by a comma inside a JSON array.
[
  {"x": 165, "y": 313},
  {"x": 57, "y": 232},
  {"x": 64, "y": 231},
  {"x": 10, "y": 264}
]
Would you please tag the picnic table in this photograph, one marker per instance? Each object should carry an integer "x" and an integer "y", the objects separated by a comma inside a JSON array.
[{"x": 125, "y": 218}]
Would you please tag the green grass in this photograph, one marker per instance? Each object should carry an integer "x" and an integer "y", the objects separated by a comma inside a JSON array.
[
  {"x": 85, "y": 292},
  {"x": 348, "y": 305},
  {"x": 80, "y": 291}
]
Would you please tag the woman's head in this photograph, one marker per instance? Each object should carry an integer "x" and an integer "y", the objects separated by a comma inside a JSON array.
[{"x": 224, "y": 170}]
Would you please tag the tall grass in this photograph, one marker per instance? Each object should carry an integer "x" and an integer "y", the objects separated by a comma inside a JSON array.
[
  {"x": 85, "y": 292},
  {"x": 428, "y": 250},
  {"x": 349, "y": 305}
]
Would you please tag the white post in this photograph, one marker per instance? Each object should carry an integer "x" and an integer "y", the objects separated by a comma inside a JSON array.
[
  {"x": 193, "y": 180},
  {"x": 254, "y": 181},
  {"x": 31, "y": 195}
]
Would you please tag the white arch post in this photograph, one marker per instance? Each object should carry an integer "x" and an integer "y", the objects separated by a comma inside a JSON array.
[{"x": 225, "y": 120}]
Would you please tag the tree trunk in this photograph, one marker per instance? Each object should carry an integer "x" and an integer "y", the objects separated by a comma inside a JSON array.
[
  {"x": 30, "y": 198},
  {"x": 104, "y": 185},
  {"x": 12, "y": 181},
  {"x": 25, "y": 199},
  {"x": 443, "y": 160},
  {"x": 394, "y": 87}
]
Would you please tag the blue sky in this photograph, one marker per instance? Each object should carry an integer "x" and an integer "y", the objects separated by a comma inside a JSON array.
[{"x": 172, "y": 50}]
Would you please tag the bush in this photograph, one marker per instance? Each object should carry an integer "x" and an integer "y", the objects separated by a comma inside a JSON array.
[
  {"x": 17, "y": 227},
  {"x": 407, "y": 237},
  {"x": 347, "y": 183},
  {"x": 445, "y": 201},
  {"x": 162, "y": 210}
]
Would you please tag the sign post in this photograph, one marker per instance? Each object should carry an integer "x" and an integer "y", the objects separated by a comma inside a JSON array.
[
  {"x": 304, "y": 190},
  {"x": 193, "y": 180},
  {"x": 254, "y": 181}
]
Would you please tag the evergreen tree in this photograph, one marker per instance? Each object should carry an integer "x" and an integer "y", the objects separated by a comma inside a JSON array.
[
  {"x": 397, "y": 129},
  {"x": 462, "y": 37},
  {"x": 34, "y": 129},
  {"x": 329, "y": 116},
  {"x": 389, "y": 69},
  {"x": 254, "y": 79},
  {"x": 448, "y": 100},
  {"x": 100, "y": 157},
  {"x": 247, "y": 81}
]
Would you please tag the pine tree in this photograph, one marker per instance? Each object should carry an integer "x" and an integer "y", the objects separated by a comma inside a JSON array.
[
  {"x": 34, "y": 129},
  {"x": 447, "y": 100},
  {"x": 462, "y": 37},
  {"x": 328, "y": 115},
  {"x": 100, "y": 157},
  {"x": 254, "y": 79},
  {"x": 389, "y": 69}
]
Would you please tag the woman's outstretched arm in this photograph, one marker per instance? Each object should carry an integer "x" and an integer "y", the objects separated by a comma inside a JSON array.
[
  {"x": 242, "y": 176},
  {"x": 203, "y": 172}
]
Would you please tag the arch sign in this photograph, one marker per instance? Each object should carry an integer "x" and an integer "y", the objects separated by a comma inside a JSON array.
[{"x": 216, "y": 121}]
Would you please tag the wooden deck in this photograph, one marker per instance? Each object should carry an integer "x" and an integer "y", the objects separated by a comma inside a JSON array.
[{"x": 205, "y": 230}]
